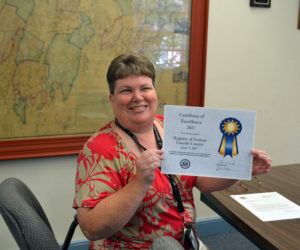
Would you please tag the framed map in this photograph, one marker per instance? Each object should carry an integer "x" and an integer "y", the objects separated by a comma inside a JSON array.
[{"x": 54, "y": 57}]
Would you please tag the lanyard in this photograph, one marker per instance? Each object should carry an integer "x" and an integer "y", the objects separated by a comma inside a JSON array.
[{"x": 158, "y": 139}]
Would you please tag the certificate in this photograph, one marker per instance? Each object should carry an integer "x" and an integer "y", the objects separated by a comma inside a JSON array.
[{"x": 208, "y": 142}]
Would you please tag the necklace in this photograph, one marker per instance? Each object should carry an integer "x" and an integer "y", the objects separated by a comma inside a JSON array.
[
  {"x": 127, "y": 131},
  {"x": 158, "y": 139}
]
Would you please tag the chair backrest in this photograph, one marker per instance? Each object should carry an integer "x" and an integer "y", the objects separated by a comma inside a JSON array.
[{"x": 25, "y": 217}]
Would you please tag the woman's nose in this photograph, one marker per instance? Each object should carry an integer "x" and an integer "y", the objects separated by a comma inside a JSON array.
[{"x": 137, "y": 95}]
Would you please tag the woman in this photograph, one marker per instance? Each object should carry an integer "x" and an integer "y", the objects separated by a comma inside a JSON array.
[{"x": 122, "y": 198}]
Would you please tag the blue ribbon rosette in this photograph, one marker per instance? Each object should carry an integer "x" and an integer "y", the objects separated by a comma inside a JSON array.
[{"x": 230, "y": 128}]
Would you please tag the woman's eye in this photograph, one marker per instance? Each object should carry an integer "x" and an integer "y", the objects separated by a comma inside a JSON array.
[{"x": 125, "y": 91}]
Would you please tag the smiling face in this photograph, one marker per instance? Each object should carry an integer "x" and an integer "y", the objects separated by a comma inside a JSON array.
[{"x": 134, "y": 101}]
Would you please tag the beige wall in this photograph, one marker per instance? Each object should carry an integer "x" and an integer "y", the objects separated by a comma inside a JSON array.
[
  {"x": 253, "y": 59},
  {"x": 253, "y": 62},
  {"x": 52, "y": 181}
]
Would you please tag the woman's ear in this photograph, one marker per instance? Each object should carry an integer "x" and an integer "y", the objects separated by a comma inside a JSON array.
[{"x": 111, "y": 98}]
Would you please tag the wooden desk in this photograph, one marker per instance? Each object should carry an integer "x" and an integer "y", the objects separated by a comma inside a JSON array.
[{"x": 284, "y": 234}]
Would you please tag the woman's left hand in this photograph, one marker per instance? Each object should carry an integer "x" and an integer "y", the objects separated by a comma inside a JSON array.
[{"x": 261, "y": 162}]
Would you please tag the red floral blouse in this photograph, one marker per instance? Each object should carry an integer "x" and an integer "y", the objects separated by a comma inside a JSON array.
[{"x": 105, "y": 165}]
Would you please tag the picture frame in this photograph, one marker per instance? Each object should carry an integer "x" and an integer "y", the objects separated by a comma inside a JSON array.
[
  {"x": 70, "y": 145},
  {"x": 299, "y": 17},
  {"x": 260, "y": 3}
]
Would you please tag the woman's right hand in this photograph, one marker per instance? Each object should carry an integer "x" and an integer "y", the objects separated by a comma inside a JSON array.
[{"x": 146, "y": 165}]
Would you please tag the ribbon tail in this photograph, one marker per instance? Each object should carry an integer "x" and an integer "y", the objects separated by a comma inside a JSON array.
[
  {"x": 222, "y": 145},
  {"x": 231, "y": 147},
  {"x": 235, "y": 149},
  {"x": 228, "y": 145}
]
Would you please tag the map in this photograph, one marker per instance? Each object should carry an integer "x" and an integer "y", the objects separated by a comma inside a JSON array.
[{"x": 54, "y": 56}]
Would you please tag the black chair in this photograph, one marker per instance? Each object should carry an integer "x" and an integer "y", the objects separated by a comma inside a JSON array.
[{"x": 26, "y": 218}]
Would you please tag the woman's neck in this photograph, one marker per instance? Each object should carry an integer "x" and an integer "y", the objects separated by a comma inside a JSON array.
[
  {"x": 138, "y": 128},
  {"x": 144, "y": 133}
]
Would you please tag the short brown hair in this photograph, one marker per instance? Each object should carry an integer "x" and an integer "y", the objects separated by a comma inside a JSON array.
[{"x": 126, "y": 65}]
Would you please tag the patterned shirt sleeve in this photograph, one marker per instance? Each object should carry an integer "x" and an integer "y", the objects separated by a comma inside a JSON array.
[{"x": 103, "y": 167}]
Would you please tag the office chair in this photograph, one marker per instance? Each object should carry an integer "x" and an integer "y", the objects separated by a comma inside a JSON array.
[{"x": 26, "y": 219}]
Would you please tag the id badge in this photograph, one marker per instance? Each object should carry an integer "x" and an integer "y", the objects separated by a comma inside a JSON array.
[{"x": 190, "y": 238}]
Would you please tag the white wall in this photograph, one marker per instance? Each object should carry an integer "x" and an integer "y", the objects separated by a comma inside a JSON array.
[
  {"x": 253, "y": 62},
  {"x": 253, "y": 59},
  {"x": 52, "y": 181}
]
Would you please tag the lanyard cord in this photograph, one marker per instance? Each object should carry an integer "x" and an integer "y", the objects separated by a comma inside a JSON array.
[{"x": 158, "y": 139}]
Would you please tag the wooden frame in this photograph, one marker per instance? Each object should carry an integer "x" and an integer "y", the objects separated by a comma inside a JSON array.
[
  {"x": 299, "y": 17},
  {"x": 68, "y": 145},
  {"x": 260, "y": 3}
]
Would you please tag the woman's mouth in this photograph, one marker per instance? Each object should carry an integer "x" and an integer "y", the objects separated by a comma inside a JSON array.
[{"x": 137, "y": 108}]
